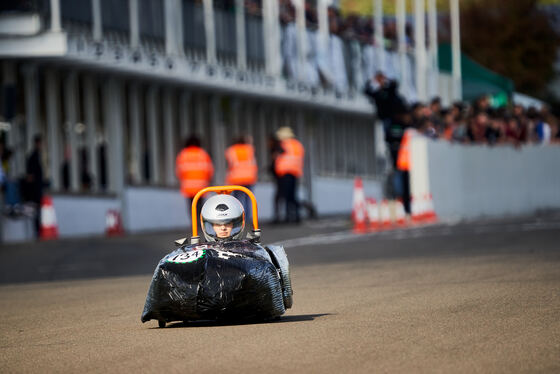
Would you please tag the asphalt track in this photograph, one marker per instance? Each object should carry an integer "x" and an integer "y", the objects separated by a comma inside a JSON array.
[{"x": 478, "y": 297}]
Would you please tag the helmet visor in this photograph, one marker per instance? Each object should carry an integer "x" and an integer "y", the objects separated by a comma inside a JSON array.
[{"x": 223, "y": 229}]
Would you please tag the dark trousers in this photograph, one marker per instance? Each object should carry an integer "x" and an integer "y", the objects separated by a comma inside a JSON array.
[
  {"x": 287, "y": 186},
  {"x": 37, "y": 219},
  {"x": 406, "y": 190}
]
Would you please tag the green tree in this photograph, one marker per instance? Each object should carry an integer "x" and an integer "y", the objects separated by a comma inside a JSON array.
[{"x": 513, "y": 38}]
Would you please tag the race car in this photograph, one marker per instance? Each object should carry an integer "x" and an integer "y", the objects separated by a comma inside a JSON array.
[{"x": 231, "y": 276}]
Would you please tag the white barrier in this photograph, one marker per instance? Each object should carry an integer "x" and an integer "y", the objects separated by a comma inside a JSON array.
[{"x": 470, "y": 181}]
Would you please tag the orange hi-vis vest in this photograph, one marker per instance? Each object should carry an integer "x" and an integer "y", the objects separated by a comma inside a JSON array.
[
  {"x": 291, "y": 160},
  {"x": 242, "y": 166},
  {"x": 403, "y": 157},
  {"x": 194, "y": 170}
]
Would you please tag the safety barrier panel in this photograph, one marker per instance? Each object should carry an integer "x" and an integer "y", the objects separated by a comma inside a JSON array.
[{"x": 472, "y": 181}]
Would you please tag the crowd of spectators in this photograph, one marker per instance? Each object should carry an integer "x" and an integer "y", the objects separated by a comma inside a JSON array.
[
  {"x": 348, "y": 27},
  {"x": 479, "y": 123},
  {"x": 467, "y": 123}
]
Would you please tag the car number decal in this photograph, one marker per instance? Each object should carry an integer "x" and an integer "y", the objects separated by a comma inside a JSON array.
[
  {"x": 226, "y": 255},
  {"x": 187, "y": 257}
]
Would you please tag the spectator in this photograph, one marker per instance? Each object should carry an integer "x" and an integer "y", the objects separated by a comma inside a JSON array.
[
  {"x": 34, "y": 181},
  {"x": 436, "y": 114},
  {"x": 384, "y": 94},
  {"x": 513, "y": 131},
  {"x": 543, "y": 131},
  {"x": 494, "y": 131},
  {"x": 288, "y": 166},
  {"x": 427, "y": 128},
  {"x": 476, "y": 131}
]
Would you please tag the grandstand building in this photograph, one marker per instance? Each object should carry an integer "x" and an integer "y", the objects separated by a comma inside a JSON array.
[{"x": 115, "y": 86}]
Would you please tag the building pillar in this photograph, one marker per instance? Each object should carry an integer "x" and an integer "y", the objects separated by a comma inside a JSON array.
[
  {"x": 379, "y": 33},
  {"x": 247, "y": 117},
  {"x": 456, "y": 50},
  {"x": 97, "y": 22},
  {"x": 343, "y": 143},
  {"x": 420, "y": 49},
  {"x": 276, "y": 38},
  {"x": 303, "y": 135},
  {"x": 169, "y": 26},
  {"x": 301, "y": 38},
  {"x": 311, "y": 152},
  {"x": 235, "y": 118},
  {"x": 52, "y": 96},
  {"x": 31, "y": 86},
  {"x": 173, "y": 27},
  {"x": 401, "y": 37},
  {"x": 113, "y": 109},
  {"x": 210, "y": 31},
  {"x": 55, "y": 16},
  {"x": 136, "y": 134},
  {"x": 91, "y": 109},
  {"x": 153, "y": 134},
  {"x": 333, "y": 142},
  {"x": 433, "y": 51},
  {"x": 185, "y": 125},
  {"x": 169, "y": 137},
  {"x": 200, "y": 116},
  {"x": 179, "y": 26},
  {"x": 134, "y": 24},
  {"x": 16, "y": 141},
  {"x": 365, "y": 142},
  {"x": 271, "y": 32},
  {"x": 9, "y": 93},
  {"x": 262, "y": 121},
  {"x": 240, "y": 34},
  {"x": 267, "y": 35},
  {"x": 71, "y": 120},
  {"x": 323, "y": 18},
  {"x": 218, "y": 139}
]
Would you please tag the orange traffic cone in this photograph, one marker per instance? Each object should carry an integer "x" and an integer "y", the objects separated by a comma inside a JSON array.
[
  {"x": 113, "y": 224},
  {"x": 400, "y": 214},
  {"x": 49, "y": 227},
  {"x": 430, "y": 213},
  {"x": 372, "y": 213},
  {"x": 359, "y": 207},
  {"x": 385, "y": 214}
]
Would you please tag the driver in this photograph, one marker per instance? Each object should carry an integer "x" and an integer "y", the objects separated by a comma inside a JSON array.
[{"x": 223, "y": 218}]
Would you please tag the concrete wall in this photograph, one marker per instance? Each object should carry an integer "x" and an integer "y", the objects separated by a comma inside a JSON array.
[
  {"x": 468, "y": 182},
  {"x": 152, "y": 208},
  {"x": 334, "y": 195},
  {"x": 17, "y": 229},
  {"x": 82, "y": 215}
]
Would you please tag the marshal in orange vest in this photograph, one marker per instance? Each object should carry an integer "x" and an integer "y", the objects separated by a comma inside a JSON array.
[
  {"x": 194, "y": 170},
  {"x": 403, "y": 157},
  {"x": 291, "y": 160},
  {"x": 242, "y": 166}
]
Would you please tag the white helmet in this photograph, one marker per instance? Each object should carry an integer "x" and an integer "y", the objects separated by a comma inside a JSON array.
[{"x": 219, "y": 211}]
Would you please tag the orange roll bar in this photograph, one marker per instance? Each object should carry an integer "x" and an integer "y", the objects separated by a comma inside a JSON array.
[{"x": 223, "y": 190}]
